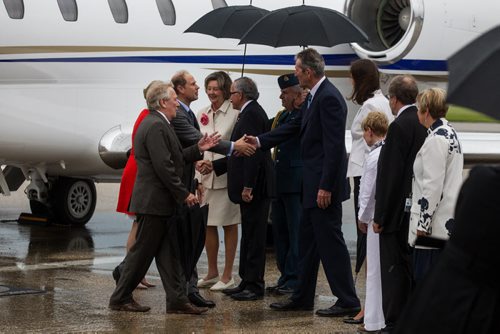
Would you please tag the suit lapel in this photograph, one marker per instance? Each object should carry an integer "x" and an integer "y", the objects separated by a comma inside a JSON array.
[
  {"x": 190, "y": 116},
  {"x": 308, "y": 111},
  {"x": 170, "y": 131}
]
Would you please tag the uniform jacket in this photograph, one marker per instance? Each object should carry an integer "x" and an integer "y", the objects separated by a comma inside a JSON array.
[
  {"x": 287, "y": 160},
  {"x": 436, "y": 182},
  {"x": 359, "y": 149},
  {"x": 158, "y": 188},
  {"x": 222, "y": 121},
  {"x": 256, "y": 171},
  {"x": 395, "y": 169},
  {"x": 322, "y": 144}
]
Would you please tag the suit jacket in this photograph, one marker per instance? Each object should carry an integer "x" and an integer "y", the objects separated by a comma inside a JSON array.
[
  {"x": 187, "y": 130},
  {"x": 158, "y": 188},
  {"x": 322, "y": 138},
  {"x": 287, "y": 159},
  {"x": 254, "y": 172},
  {"x": 395, "y": 169}
]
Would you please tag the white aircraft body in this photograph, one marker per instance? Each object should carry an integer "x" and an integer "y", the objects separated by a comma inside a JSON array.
[{"x": 72, "y": 74}]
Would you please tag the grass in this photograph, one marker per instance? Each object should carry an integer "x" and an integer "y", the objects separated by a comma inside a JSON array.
[{"x": 460, "y": 114}]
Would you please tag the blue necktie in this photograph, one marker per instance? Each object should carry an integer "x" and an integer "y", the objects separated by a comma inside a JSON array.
[{"x": 309, "y": 100}]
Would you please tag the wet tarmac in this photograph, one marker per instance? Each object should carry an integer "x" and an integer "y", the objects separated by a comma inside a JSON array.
[{"x": 72, "y": 269}]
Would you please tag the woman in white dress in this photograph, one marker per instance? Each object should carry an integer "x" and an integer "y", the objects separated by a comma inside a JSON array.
[
  {"x": 218, "y": 116},
  {"x": 437, "y": 177},
  {"x": 366, "y": 93}
]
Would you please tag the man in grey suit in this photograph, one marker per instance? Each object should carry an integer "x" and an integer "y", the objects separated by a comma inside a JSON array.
[
  {"x": 158, "y": 192},
  {"x": 187, "y": 130}
]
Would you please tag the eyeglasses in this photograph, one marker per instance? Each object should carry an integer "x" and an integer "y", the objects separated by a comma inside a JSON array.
[
  {"x": 235, "y": 92},
  {"x": 388, "y": 96}
]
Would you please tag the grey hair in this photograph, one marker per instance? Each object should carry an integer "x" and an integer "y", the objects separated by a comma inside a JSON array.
[
  {"x": 145, "y": 90},
  {"x": 247, "y": 87},
  {"x": 157, "y": 92},
  {"x": 310, "y": 58}
]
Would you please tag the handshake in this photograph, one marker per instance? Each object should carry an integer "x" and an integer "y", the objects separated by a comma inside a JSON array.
[{"x": 245, "y": 146}]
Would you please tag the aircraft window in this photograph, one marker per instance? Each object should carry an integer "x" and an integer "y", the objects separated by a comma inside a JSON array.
[
  {"x": 15, "y": 8},
  {"x": 219, "y": 3},
  {"x": 119, "y": 10},
  {"x": 167, "y": 11},
  {"x": 69, "y": 9}
]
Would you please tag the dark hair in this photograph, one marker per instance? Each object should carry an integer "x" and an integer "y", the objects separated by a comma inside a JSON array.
[
  {"x": 247, "y": 87},
  {"x": 365, "y": 75},
  {"x": 223, "y": 81},
  {"x": 404, "y": 88},
  {"x": 310, "y": 58}
]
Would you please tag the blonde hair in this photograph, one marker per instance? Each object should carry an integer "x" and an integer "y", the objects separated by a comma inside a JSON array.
[
  {"x": 434, "y": 100},
  {"x": 376, "y": 121}
]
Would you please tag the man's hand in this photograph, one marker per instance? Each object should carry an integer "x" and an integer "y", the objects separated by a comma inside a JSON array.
[
  {"x": 242, "y": 148},
  {"x": 363, "y": 227},
  {"x": 191, "y": 200},
  {"x": 246, "y": 195},
  {"x": 204, "y": 167},
  {"x": 251, "y": 140},
  {"x": 200, "y": 192},
  {"x": 377, "y": 228},
  {"x": 324, "y": 199},
  {"x": 208, "y": 141}
]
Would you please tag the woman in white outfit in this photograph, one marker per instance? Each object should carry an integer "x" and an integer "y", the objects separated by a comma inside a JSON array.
[
  {"x": 219, "y": 116},
  {"x": 366, "y": 92},
  {"x": 375, "y": 127},
  {"x": 437, "y": 179}
]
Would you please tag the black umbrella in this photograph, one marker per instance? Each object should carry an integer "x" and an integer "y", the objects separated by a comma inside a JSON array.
[
  {"x": 474, "y": 74},
  {"x": 192, "y": 226},
  {"x": 303, "y": 26},
  {"x": 228, "y": 22}
]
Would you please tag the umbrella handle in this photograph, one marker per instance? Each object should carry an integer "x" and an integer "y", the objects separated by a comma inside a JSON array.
[{"x": 243, "y": 65}]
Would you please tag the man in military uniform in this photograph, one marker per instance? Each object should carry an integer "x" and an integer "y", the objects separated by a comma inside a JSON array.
[{"x": 287, "y": 207}]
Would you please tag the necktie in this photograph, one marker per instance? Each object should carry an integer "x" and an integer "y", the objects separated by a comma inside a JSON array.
[{"x": 309, "y": 99}]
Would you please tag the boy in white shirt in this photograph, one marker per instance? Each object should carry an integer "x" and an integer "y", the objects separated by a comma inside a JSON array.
[{"x": 374, "y": 127}]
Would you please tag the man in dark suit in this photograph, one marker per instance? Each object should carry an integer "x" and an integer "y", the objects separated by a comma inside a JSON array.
[
  {"x": 393, "y": 196},
  {"x": 322, "y": 140},
  {"x": 158, "y": 192},
  {"x": 187, "y": 130},
  {"x": 249, "y": 184},
  {"x": 287, "y": 206}
]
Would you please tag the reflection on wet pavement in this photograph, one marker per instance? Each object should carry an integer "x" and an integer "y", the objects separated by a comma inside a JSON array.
[{"x": 73, "y": 266}]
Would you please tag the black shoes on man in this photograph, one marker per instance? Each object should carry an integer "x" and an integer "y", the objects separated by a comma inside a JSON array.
[
  {"x": 241, "y": 294},
  {"x": 337, "y": 311},
  {"x": 131, "y": 306},
  {"x": 197, "y": 300}
]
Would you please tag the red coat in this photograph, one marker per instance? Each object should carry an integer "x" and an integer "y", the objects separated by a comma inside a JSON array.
[{"x": 129, "y": 173}]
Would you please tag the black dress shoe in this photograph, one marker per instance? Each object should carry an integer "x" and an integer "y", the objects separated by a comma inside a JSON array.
[
  {"x": 337, "y": 311},
  {"x": 354, "y": 321},
  {"x": 232, "y": 291},
  {"x": 284, "y": 290},
  {"x": 272, "y": 288},
  {"x": 187, "y": 308},
  {"x": 116, "y": 274},
  {"x": 247, "y": 295},
  {"x": 290, "y": 305},
  {"x": 196, "y": 299},
  {"x": 132, "y": 306}
]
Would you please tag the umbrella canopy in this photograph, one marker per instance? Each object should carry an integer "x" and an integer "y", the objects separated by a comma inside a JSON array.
[
  {"x": 474, "y": 74},
  {"x": 228, "y": 22},
  {"x": 302, "y": 26}
]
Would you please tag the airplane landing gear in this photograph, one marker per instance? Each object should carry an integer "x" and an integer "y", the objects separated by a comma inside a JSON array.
[{"x": 70, "y": 201}]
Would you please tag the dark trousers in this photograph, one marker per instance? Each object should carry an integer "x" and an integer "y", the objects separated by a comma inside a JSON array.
[
  {"x": 286, "y": 213},
  {"x": 156, "y": 239},
  {"x": 423, "y": 261},
  {"x": 321, "y": 238},
  {"x": 360, "y": 236},
  {"x": 396, "y": 274},
  {"x": 253, "y": 244}
]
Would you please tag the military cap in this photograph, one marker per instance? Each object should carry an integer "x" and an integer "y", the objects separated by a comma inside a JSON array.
[{"x": 287, "y": 80}]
